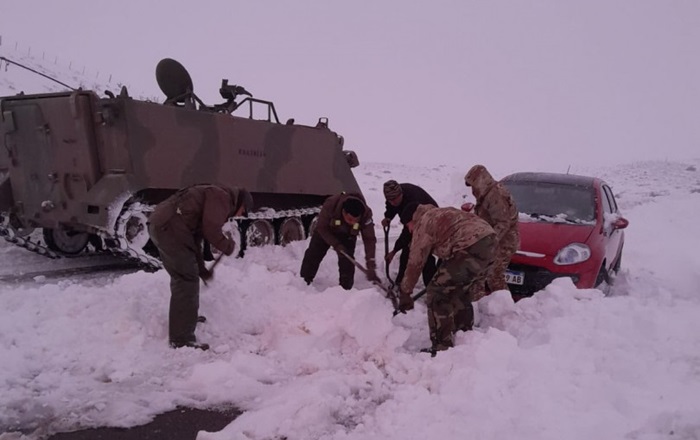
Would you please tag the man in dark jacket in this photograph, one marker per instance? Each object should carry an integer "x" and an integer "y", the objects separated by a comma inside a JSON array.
[
  {"x": 177, "y": 227},
  {"x": 495, "y": 205},
  {"x": 398, "y": 196},
  {"x": 341, "y": 219}
]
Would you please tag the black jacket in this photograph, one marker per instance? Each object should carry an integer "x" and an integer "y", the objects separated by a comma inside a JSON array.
[{"x": 411, "y": 193}]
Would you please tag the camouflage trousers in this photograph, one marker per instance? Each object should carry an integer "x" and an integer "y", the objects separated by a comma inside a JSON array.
[
  {"x": 177, "y": 248},
  {"x": 449, "y": 302},
  {"x": 495, "y": 277}
]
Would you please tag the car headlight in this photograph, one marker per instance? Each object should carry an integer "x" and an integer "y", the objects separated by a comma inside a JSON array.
[{"x": 572, "y": 254}]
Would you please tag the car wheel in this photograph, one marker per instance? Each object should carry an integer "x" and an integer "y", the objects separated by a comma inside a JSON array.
[
  {"x": 618, "y": 263},
  {"x": 602, "y": 281}
]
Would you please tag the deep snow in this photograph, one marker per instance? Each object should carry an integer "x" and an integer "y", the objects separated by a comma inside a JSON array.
[{"x": 316, "y": 362}]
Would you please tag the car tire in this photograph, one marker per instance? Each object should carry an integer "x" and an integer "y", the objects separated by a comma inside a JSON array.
[
  {"x": 602, "y": 281},
  {"x": 618, "y": 263}
]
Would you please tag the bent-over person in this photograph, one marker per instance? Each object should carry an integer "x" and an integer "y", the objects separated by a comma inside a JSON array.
[
  {"x": 466, "y": 245},
  {"x": 398, "y": 196},
  {"x": 342, "y": 218},
  {"x": 177, "y": 227}
]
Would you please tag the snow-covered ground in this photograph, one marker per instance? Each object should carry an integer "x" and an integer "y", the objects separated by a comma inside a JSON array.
[{"x": 317, "y": 362}]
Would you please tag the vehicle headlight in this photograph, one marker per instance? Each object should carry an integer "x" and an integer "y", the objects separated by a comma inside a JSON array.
[{"x": 572, "y": 254}]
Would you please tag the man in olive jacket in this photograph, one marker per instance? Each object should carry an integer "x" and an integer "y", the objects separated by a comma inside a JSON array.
[
  {"x": 177, "y": 227},
  {"x": 342, "y": 218},
  {"x": 495, "y": 205},
  {"x": 466, "y": 245}
]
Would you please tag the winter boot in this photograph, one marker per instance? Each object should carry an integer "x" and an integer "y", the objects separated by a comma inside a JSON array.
[
  {"x": 191, "y": 344},
  {"x": 430, "y": 350}
]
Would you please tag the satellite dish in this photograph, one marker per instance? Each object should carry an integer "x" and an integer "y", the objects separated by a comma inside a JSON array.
[{"x": 173, "y": 79}]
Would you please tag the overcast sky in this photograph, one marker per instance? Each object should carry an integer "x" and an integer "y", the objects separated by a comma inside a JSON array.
[{"x": 538, "y": 84}]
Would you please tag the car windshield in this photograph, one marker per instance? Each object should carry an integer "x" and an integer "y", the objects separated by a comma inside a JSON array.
[{"x": 554, "y": 202}]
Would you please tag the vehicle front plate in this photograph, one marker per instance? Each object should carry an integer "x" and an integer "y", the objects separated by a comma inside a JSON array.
[{"x": 515, "y": 277}]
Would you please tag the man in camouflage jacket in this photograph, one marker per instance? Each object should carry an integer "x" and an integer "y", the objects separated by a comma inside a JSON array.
[
  {"x": 177, "y": 227},
  {"x": 398, "y": 196},
  {"x": 466, "y": 245},
  {"x": 342, "y": 218},
  {"x": 495, "y": 205}
]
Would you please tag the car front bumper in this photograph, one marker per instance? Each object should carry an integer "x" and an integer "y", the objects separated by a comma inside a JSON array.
[{"x": 537, "y": 274}]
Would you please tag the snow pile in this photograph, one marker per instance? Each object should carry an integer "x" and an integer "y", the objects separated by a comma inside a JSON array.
[{"x": 319, "y": 362}]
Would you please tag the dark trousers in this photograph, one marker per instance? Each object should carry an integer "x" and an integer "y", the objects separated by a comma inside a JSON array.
[
  {"x": 177, "y": 252},
  {"x": 317, "y": 250},
  {"x": 428, "y": 270}
]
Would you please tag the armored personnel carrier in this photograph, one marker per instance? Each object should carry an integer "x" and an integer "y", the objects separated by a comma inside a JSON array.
[{"x": 83, "y": 168}]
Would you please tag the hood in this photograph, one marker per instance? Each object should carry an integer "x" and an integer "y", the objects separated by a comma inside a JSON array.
[
  {"x": 480, "y": 180},
  {"x": 549, "y": 238},
  {"x": 240, "y": 197}
]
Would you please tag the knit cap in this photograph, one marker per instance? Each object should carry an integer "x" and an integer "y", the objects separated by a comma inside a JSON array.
[{"x": 392, "y": 189}]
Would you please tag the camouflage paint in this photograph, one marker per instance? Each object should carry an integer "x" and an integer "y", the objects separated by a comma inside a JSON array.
[{"x": 68, "y": 156}]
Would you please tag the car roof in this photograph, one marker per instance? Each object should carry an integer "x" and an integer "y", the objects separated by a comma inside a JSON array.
[{"x": 557, "y": 178}]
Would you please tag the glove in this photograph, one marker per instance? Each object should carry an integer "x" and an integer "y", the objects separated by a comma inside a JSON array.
[
  {"x": 467, "y": 207},
  {"x": 405, "y": 302},
  {"x": 385, "y": 223},
  {"x": 390, "y": 256}
]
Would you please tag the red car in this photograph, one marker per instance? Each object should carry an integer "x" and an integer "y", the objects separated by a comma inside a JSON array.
[{"x": 570, "y": 226}]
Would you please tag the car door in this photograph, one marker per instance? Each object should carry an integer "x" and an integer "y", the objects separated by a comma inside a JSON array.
[{"x": 613, "y": 236}]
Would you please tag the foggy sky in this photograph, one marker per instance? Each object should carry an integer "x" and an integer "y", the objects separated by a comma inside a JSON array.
[{"x": 535, "y": 84}]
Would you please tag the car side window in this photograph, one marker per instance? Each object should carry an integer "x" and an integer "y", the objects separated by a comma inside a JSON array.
[
  {"x": 610, "y": 197},
  {"x": 607, "y": 206}
]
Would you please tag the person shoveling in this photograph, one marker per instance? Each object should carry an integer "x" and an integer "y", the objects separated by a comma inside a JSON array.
[{"x": 177, "y": 227}]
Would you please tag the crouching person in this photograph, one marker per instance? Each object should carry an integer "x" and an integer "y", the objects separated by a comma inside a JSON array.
[
  {"x": 177, "y": 227},
  {"x": 341, "y": 219},
  {"x": 466, "y": 244}
]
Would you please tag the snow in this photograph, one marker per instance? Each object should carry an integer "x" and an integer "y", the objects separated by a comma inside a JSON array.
[{"x": 317, "y": 362}]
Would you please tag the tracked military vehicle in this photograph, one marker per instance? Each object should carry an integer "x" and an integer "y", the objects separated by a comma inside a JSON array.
[{"x": 84, "y": 168}]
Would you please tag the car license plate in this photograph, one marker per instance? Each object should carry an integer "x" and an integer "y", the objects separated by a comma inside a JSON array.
[{"x": 515, "y": 277}]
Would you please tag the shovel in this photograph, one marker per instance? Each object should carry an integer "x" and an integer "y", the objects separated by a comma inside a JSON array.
[
  {"x": 390, "y": 291},
  {"x": 386, "y": 251}
]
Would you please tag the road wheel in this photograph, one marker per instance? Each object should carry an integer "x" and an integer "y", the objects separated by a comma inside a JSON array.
[
  {"x": 65, "y": 241},
  {"x": 291, "y": 229},
  {"x": 232, "y": 230},
  {"x": 311, "y": 225},
  {"x": 618, "y": 263},
  {"x": 602, "y": 281},
  {"x": 136, "y": 230},
  {"x": 260, "y": 232}
]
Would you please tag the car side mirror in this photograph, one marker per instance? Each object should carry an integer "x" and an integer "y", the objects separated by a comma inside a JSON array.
[{"x": 620, "y": 223}]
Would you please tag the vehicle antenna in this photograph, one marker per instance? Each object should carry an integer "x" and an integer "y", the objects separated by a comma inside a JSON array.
[
  {"x": 9, "y": 61},
  {"x": 568, "y": 168}
]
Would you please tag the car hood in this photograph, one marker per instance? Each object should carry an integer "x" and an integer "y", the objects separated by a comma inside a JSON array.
[{"x": 549, "y": 238}]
